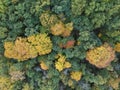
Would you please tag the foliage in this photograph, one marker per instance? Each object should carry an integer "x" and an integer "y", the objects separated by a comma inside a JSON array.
[
  {"x": 56, "y": 26},
  {"x": 59, "y": 44},
  {"x": 78, "y": 6},
  {"x": 62, "y": 63},
  {"x": 3, "y": 6},
  {"x": 47, "y": 19},
  {"x": 115, "y": 83},
  {"x": 76, "y": 75},
  {"x": 117, "y": 47},
  {"x": 61, "y": 29},
  {"x": 25, "y": 48},
  {"x": 43, "y": 65},
  {"x": 101, "y": 56},
  {"x": 16, "y": 75},
  {"x": 3, "y": 32},
  {"x": 5, "y": 83}
]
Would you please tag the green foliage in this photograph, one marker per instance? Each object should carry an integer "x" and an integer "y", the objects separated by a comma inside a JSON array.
[
  {"x": 59, "y": 6},
  {"x": 78, "y": 6},
  {"x": 3, "y": 5},
  {"x": 3, "y": 32},
  {"x": 95, "y": 22}
]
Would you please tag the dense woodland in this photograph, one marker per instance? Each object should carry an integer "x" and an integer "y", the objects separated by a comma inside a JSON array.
[{"x": 59, "y": 44}]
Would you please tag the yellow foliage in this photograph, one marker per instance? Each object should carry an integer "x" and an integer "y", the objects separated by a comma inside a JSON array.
[
  {"x": 76, "y": 75},
  {"x": 117, "y": 47},
  {"x": 62, "y": 29},
  {"x": 57, "y": 29},
  {"x": 78, "y": 42},
  {"x": 114, "y": 83},
  {"x": 68, "y": 29},
  {"x": 41, "y": 43},
  {"x": 101, "y": 56},
  {"x": 100, "y": 35},
  {"x": 14, "y": 1},
  {"x": 27, "y": 87},
  {"x": 5, "y": 83},
  {"x": 48, "y": 19},
  {"x": 67, "y": 65},
  {"x": 16, "y": 75},
  {"x": 70, "y": 83},
  {"x": 43, "y": 66},
  {"x": 20, "y": 50},
  {"x": 25, "y": 48},
  {"x": 62, "y": 63},
  {"x": 69, "y": 26},
  {"x": 9, "y": 49}
]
